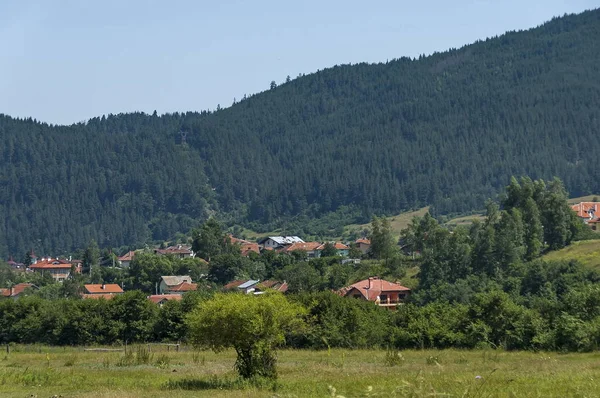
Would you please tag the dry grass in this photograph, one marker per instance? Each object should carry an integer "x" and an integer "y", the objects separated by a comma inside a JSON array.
[
  {"x": 346, "y": 373},
  {"x": 588, "y": 198},
  {"x": 587, "y": 252},
  {"x": 397, "y": 222}
]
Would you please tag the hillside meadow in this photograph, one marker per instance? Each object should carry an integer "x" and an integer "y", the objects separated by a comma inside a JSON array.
[{"x": 36, "y": 371}]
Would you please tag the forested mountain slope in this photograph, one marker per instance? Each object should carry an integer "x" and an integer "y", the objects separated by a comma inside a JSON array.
[{"x": 446, "y": 130}]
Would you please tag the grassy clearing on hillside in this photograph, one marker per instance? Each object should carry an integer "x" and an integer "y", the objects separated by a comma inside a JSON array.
[
  {"x": 587, "y": 252},
  {"x": 71, "y": 372},
  {"x": 588, "y": 198},
  {"x": 464, "y": 221},
  {"x": 397, "y": 222}
]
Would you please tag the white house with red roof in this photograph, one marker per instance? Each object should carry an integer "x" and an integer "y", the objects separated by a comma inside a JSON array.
[
  {"x": 588, "y": 212},
  {"x": 379, "y": 291},
  {"x": 58, "y": 269}
]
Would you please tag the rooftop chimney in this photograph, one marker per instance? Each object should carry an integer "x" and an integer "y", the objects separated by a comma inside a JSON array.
[{"x": 103, "y": 286}]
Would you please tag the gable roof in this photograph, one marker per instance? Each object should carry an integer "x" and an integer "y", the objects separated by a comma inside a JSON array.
[
  {"x": 99, "y": 288},
  {"x": 99, "y": 296},
  {"x": 233, "y": 284},
  {"x": 363, "y": 241},
  {"x": 159, "y": 298},
  {"x": 174, "y": 280},
  {"x": 373, "y": 287},
  {"x": 127, "y": 256}
]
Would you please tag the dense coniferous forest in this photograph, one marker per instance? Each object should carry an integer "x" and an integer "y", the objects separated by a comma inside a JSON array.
[{"x": 446, "y": 130}]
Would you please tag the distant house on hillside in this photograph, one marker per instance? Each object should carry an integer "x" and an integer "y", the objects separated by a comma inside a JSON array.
[
  {"x": 58, "y": 269},
  {"x": 342, "y": 249},
  {"x": 15, "y": 265},
  {"x": 161, "y": 299},
  {"x": 379, "y": 291},
  {"x": 364, "y": 245},
  {"x": 588, "y": 212},
  {"x": 176, "y": 284},
  {"x": 180, "y": 251},
  {"x": 311, "y": 248},
  {"x": 246, "y": 247},
  {"x": 15, "y": 291},
  {"x": 98, "y": 290},
  {"x": 278, "y": 242},
  {"x": 126, "y": 259}
]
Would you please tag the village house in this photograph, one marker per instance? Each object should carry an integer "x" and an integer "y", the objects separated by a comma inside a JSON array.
[
  {"x": 15, "y": 291},
  {"x": 58, "y": 269},
  {"x": 364, "y": 245},
  {"x": 104, "y": 290},
  {"x": 310, "y": 248},
  {"x": 15, "y": 266},
  {"x": 589, "y": 213},
  {"x": 379, "y": 291},
  {"x": 126, "y": 259},
  {"x": 179, "y": 284},
  {"x": 278, "y": 242},
  {"x": 161, "y": 299},
  {"x": 179, "y": 251},
  {"x": 342, "y": 249},
  {"x": 246, "y": 247}
]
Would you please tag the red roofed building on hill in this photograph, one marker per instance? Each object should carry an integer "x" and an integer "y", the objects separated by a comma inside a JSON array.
[
  {"x": 381, "y": 292},
  {"x": 246, "y": 247},
  {"x": 589, "y": 212},
  {"x": 160, "y": 299},
  {"x": 364, "y": 245},
  {"x": 57, "y": 268},
  {"x": 15, "y": 291}
]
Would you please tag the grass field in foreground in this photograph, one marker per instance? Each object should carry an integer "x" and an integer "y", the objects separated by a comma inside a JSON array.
[{"x": 71, "y": 372}]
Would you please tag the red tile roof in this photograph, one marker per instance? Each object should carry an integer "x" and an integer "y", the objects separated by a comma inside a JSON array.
[
  {"x": 175, "y": 250},
  {"x": 157, "y": 298},
  {"x": 337, "y": 245},
  {"x": 51, "y": 264},
  {"x": 305, "y": 246},
  {"x": 127, "y": 256},
  {"x": 363, "y": 240},
  {"x": 16, "y": 289},
  {"x": 373, "y": 287},
  {"x": 109, "y": 288},
  {"x": 233, "y": 285},
  {"x": 582, "y": 209},
  {"x": 183, "y": 287}
]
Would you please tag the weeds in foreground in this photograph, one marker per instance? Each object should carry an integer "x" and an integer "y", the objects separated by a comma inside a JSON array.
[
  {"x": 393, "y": 357},
  {"x": 70, "y": 361},
  {"x": 219, "y": 383},
  {"x": 142, "y": 356},
  {"x": 162, "y": 361}
]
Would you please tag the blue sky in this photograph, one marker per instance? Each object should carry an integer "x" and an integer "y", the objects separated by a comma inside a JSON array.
[{"x": 67, "y": 61}]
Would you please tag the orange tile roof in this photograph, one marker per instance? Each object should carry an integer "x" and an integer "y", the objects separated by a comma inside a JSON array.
[
  {"x": 184, "y": 287},
  {"x": 51, "y": 264},
  {"x": 107, "y": 288},
  {"x": 336, "y": 245},
  {"x": 582, "y": 209},
  {"x": 233, "y": 284},
  {"x": 363, "y": 240},
  {"x": 127, "y": 256},
  {"x": 306, "y": 246},
  {"x": 157, "y": 298},
  {"x": 377, "y": 286}
]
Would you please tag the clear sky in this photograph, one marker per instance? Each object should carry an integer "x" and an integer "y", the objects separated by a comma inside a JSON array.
[{"x": 67, "y": 61}]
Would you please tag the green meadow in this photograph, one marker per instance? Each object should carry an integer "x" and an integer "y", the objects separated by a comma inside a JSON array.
[{"x": 72, "y": 372}]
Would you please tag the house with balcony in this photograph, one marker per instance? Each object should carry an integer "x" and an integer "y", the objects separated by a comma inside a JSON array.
[
  {"x": 381, "y": 292},
  {"x": 58, "y": 269}
]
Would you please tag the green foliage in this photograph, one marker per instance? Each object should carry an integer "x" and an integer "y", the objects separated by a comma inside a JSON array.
[{"x": 253, "y": 325}]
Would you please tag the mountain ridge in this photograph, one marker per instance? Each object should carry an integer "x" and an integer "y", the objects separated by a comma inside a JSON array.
[{"x": 446, "y": 130}]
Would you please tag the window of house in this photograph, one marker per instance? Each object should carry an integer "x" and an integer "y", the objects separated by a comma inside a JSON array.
[{"x": 383, "y": 297}]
